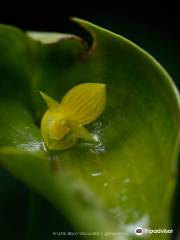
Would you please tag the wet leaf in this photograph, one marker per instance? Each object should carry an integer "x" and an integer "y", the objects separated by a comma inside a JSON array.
[{"x": 126, "y": 180}]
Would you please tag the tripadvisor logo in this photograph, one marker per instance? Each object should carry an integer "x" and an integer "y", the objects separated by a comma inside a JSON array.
[{"x": 140, "y": 231}]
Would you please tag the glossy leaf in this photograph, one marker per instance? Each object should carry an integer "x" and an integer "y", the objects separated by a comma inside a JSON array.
[{"x": 126, "y": 180}]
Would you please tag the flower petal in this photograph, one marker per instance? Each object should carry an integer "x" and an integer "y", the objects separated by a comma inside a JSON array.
[
  {"x": 85, "y": 102},
  {"x": 82, "y": 132},
  {"x": 51, "y": 103}
]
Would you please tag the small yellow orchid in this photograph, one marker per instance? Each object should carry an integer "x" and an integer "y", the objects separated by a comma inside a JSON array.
[{"x": 63, "y": 123}]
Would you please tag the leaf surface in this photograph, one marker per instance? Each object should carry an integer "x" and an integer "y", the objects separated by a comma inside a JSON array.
[{"x": 125, "y": 181}]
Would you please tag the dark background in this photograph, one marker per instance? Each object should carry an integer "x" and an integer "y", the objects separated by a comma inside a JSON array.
[{"x": 152, "y": 25}]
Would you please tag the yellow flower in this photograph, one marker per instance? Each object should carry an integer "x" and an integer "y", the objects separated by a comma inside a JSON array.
[{"x": 63, "y": 123}]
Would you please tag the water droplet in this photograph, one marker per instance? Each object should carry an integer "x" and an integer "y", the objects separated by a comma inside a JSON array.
[
  {"x": 105, "y": 184},
  {"x": 96, "y": 174},
  {"x": 126, "y": 180},
  {"x": 123, "y": 198}
]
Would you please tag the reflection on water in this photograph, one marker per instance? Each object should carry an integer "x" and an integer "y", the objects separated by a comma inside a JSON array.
[
  {"x": 31, "y": 146},
  {"x": 97, "y": 148},
  {"x": 96, "y": 174},
  {"x": 97, "y": 132}
]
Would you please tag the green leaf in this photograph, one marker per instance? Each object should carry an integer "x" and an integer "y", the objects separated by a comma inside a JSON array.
[{"x": 128, "y": 179}]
